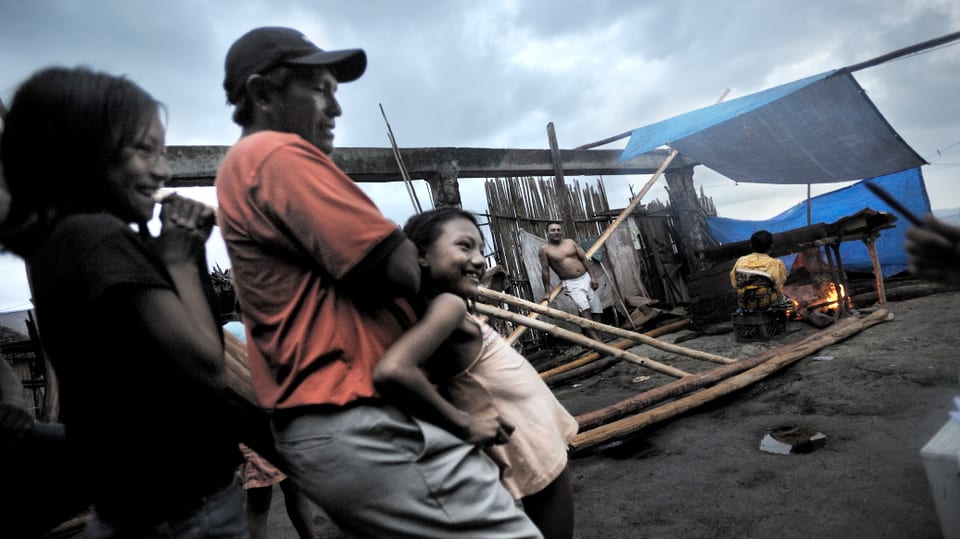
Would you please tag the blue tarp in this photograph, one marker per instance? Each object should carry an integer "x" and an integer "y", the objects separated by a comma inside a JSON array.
[
  {"x": 820, "y": 129},
  {"x": 906, "y": 186}
]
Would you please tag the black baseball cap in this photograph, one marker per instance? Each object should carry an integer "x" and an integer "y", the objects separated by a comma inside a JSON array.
[{"x": 262, "y": 49}]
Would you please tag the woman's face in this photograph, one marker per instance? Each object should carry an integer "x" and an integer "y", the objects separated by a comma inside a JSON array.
[
  {"x": 455, "y": 260},
  {"x": 140, "y": 170}
]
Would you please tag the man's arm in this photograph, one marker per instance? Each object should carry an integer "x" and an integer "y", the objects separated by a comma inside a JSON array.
[
  {"x": 389, "y": 270},
  {"x": 779, "y": 275},
  {"x": 544, "y": 271}
]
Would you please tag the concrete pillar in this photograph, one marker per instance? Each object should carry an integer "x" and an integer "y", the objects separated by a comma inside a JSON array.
[{"x": 445, "y": 187}]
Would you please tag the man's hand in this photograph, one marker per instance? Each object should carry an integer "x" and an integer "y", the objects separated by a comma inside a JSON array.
[
  {"x": 594, "y": 283},
  {"x": 487, "y": 431}
]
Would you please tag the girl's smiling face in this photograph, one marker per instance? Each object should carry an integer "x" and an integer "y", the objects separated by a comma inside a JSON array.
[
  {"x": 139, "y": 172},
  {"x": 454, "y": 261}
]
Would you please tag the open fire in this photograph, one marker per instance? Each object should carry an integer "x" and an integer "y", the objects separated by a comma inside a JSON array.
[
  {"x": 823, "y": 298},
  {"x": 815, "y": 297}
]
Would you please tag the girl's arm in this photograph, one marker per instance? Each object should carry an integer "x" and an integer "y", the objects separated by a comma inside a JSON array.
[
  {"x": 181, "y": 322},
  {"x": 399, "y": 374}
]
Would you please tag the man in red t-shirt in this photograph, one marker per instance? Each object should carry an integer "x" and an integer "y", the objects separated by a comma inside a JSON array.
[{"x": 319, "y": 273}]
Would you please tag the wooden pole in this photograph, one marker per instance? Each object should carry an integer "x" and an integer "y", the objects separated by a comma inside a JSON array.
[
  {"x": 552, "y": 329},
  {"x": 785, "y": 356},
  {"x": 560, "y": 185},
  {"x": 616, "y": 292},
  {"x": 580, "y": 372},
  {"x": 912, "y": 49},
  {"x": 870, "y": 242},
  {"x": 403, "y": 168},
  {"x": 613, "y": 330},
  {"x": 622, "y": 344}
]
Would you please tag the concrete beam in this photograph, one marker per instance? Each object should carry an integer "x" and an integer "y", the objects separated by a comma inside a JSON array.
[{"x": 197, "y": 165}]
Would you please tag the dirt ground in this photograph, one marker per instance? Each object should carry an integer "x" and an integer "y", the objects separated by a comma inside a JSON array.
[{"x": 877, "y": 397}]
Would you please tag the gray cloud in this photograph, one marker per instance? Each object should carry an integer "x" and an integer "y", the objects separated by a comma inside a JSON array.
[{"x": 493, "y": 74}]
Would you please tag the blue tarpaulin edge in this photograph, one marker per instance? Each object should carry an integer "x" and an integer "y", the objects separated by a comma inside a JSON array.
[
  {"x": 649, "y": 137},
  {"x": 906, "y": 186}
]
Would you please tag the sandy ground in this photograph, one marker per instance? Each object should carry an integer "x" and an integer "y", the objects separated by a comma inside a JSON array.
[{"x": 877, "y": 397}]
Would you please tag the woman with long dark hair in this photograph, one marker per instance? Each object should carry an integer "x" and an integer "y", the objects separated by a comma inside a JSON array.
[{"x": 125, "y": 317}]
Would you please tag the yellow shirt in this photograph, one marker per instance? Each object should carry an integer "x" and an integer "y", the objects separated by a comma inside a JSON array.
[{"x": 773, "y": 267}]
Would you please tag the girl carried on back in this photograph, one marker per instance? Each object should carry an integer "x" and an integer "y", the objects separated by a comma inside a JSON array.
[{"x": 455, "y": 370}]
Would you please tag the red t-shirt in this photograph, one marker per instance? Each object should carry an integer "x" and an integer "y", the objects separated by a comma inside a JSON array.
[{"x": 294, "y": 224}]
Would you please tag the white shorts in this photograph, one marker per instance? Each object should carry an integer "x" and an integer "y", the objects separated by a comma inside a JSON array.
[{"x": 586, "y": 298}]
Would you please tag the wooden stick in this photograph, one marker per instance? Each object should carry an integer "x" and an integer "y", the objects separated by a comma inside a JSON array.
[
  {"x": 582, "y": 371},
  {"x": 785, "y": 356},
  {"x": 613, "y": 330},
  {"x": 552, "y": 329},
  {"x": 616, "y": 291},
  {"x": 403, "y": 168},
  {"x": 515, "y": 334},
  {"x": 624, "y": 343}
]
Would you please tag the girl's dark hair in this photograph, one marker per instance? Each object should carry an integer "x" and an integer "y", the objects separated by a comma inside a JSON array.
[
  {"x": 424, "y": 228},
  {"x": 64, "y": 130}
]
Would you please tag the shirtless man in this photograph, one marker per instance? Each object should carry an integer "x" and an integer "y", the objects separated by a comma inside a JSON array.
[{"x": 569, "y": 262}]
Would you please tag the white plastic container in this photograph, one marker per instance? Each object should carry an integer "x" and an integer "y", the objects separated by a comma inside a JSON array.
[{"x": 941, "y": 460}]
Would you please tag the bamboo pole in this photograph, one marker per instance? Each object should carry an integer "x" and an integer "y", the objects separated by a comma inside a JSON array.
[
  {"x": 613, "y": 330},
  {"x": 552, "y": 329},
  {"x": 785, "y": 356},
  {"x": 403, "y": 168},
  {"x": 622, "y": 344},
  {"x": 512, "y": 338},
  {"x": 616, "y": 291},
  {"x": 581, "y": 371},
  {"x": 870, "y": 242}
]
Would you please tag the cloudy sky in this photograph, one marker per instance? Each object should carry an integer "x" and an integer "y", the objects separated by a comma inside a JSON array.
[{"x": 493, "y": 74}]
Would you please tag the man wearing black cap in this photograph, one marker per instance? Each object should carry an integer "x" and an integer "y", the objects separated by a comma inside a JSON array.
[{"x": 320, "y": 274}]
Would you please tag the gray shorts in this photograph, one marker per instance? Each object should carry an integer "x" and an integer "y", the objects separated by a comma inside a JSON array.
[{"x": 377, "y": 472}]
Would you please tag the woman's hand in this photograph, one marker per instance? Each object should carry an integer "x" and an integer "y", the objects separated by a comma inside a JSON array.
[{"x": 186, "y": 225}]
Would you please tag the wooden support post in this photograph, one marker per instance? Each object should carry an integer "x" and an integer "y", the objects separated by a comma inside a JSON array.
[
  {"x": 870, "y": 242},
  {"x": 559, "y": 183}
]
